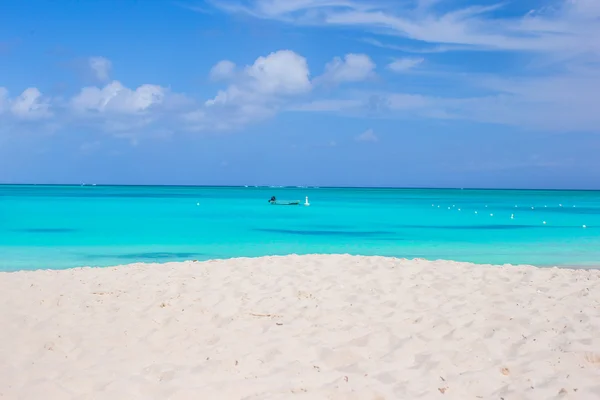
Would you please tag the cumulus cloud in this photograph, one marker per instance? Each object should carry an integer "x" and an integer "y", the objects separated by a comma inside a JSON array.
[
  {"x": 115, "y": 98},
  {"x": 126, "y": 112},
  {"x": 367, "y": 136},
  {"x": 280, "y": 73},
  {"x": 100, "y": 67},
  {"x": 352, "y": 68},
  {"x": 222, "y": 70},
  {"x": 555, "y": 88},
  {"x": 404, "y": 64},
  {"x": 29, "y": 105},
  {"x": 281, "y": 82},
  {"x": 257, "y": 92},
  {"x": 283, "y": 72}
]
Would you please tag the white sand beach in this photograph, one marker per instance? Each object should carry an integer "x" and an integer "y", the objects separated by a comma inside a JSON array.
[{"x": 301, "y": 327}]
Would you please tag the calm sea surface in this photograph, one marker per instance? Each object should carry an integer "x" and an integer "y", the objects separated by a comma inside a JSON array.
[{"x": 69, "y": 226}]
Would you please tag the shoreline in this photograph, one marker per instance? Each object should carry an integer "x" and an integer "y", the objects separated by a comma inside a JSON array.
[
  {"x": 392, "y": 258},
  {"x": 310, "y": 326}
]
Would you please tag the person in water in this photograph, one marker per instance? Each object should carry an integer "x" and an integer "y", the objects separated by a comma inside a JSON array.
[{"x": 273, "y": 199}]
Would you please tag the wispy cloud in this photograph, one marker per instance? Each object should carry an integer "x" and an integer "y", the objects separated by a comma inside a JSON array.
[
  {"x": 298, "y": 11},
  {"x": 367, "y": 136},
  {"x": 562, "y": 25},
  {"x": 352, "y": 68},
  {"x": 562, "y": 95},
  {"x": 100, "y": 67},
  {"x": 193, "y": 7},
  {"x": 331, "y": 105},
  {"x": 404, "y": 64},
  {"x": 421, "y": 49},
  {"x": 555, "y": 89}
]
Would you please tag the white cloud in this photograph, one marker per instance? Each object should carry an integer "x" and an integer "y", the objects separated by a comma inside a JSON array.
[
  {"x": 554, "y": 88},
  {"x": 257, "y": 92},
  {"x": 562, "y": 102},
  {"x": 281, "y": 81},
  {"x": 367, "y": 136},
  {"x": 287, "y": 10},
  {"x": 404, "y": 64},
  {"x": 352, "y": 68},
  {"x": 422, "y": 49},
  {"x": 562, "y": 25},
  {"x": 100, "y": 67},
  {"x": 222, "y": 70},
  {"x": 116, "y": 98},
  {"x": 126, "y": 112},
  {"x": 30, "y": 105},
  {"x": 282, "y": 72}
]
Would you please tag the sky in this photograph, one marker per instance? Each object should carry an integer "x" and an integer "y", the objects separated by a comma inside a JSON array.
[{"x": 400, "y": 93}]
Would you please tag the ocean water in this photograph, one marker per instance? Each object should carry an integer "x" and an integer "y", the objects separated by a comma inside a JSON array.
[{"x": 58, "y": 227}]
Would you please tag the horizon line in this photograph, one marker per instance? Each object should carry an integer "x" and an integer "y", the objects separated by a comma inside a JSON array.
[{"x": 293, "y": 187}]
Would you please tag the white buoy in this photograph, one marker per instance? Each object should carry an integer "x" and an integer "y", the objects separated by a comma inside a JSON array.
[
  {"x": 544, "y": 222},
  {"x": 560, "y": 205},
  {"x": 491, "y": 215},
  {"x": 306, "y": 203},
  {"x": 585, "y": 226},
  {"x": 532, "y": 208},
  {"x": 512, "y": 216},
  {"x": 197, "y": 204},
  {"x": 475, "y": 212},
  {"x": 459, "y": 209}
]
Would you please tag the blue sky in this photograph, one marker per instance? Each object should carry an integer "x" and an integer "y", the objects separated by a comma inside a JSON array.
[{"x": 423, "y": 93}]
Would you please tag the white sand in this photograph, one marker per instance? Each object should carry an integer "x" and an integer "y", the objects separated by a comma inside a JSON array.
[{"x": 310, "y": 327}]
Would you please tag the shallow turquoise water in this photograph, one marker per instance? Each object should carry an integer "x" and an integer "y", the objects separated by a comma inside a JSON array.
[{"x": 69, "y": 226}]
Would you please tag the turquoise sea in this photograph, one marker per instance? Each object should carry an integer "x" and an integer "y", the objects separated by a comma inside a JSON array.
[{"x": 69, "y": 226}]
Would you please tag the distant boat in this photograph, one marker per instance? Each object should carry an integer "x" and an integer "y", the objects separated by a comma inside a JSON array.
[{"x": 284, "y": 202}]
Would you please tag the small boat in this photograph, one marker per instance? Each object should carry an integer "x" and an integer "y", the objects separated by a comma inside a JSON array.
[{"x": 285, "y": 202}]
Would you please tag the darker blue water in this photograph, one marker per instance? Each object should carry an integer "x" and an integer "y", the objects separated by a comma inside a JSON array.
[{"x": 69, "y": 226}]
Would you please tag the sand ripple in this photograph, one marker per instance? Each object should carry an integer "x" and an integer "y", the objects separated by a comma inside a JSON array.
[{"x": 310, "y": 327}]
